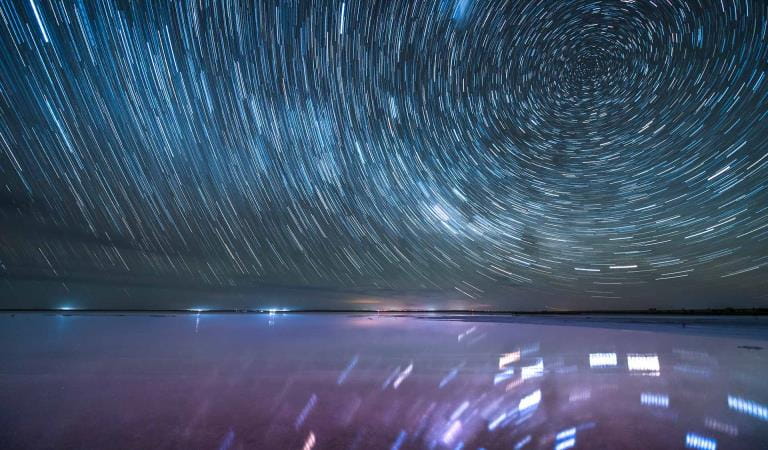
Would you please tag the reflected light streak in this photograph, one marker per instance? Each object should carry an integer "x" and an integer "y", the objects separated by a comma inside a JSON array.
[
  {"x": 721, "y": 427},
  {"x": 693, "y": 440},
  {"x": 452, "y": 431},
  {"x": 649, "y": 399},
  {"x": 508, "y": 358},
  {"x": 503, "y": 376},
  {"x": 403, "y": 375},
  {"x": 748, "y": 407},
  {"x": 523, "y": 442},
  {"x": 529, "y": 401},
  {"x": 533, "y": 371},
  {"x": 310, "y": 442},
  {"x": 602, "y": 359},
  {"x": 644, "y": 363},
  {"x": 305, "y": 411}
]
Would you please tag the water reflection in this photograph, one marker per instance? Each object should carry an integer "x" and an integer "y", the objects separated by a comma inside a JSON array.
[{"x": 332, "y": 381}]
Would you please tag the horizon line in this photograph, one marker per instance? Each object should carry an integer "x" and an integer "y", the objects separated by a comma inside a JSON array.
[{"x": 648, "y": 311}]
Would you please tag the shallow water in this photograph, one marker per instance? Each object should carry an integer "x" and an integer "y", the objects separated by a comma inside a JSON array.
[{"x": 360, "y": 381}]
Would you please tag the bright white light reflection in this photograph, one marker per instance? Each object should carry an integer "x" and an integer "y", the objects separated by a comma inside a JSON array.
[
  {"x": 535, "y": 370},
  {"x": 529, "y": 401},
  {"x": 570, "y": 432},
  {"x": 693, "y": 440},
  {"x": 643, "y": 363},
  {"x": 508, "y": 358},
  {"x": 403, "y": 375},
  {"x": 602, "y": 359},
  {"x": 565, "y": 439}
]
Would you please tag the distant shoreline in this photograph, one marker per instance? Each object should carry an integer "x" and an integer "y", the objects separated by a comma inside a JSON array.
[{"x": 644, "y": 312}]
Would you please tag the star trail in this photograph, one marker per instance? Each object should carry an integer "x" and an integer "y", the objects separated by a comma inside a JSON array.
[{"x": 518, "y": 154}]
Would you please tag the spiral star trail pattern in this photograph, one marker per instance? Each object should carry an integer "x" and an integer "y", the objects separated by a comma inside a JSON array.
[{"x": 590, "y": 153}]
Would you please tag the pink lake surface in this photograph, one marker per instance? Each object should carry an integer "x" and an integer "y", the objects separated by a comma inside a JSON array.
[{"x": 285, "y": 381}]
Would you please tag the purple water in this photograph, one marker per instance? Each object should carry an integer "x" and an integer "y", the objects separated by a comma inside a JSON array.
[{"x": 359, "y": 381}]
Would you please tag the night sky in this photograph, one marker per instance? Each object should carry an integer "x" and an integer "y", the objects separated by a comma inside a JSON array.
[{"x": 359, "y": 154}]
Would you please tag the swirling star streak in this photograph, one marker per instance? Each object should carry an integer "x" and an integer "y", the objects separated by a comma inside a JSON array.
[{"x": 604, "y": 151}]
